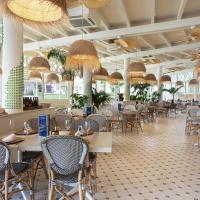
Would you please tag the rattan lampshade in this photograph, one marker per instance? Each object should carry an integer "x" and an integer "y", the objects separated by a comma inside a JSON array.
[
  {"x": 96, "y": 3},
  {"x": 34, "y": 75},
  {"x": 101, "y": 74},
  {"x": 136, "y": 79},
  {"x": 113, "y": 82},
  {"x": 52, "y": 78},
  {"x": 37, "y": 12},
  {"x": 179, "y": 83},
  {"x": 193, "y": 82},
  {"x": 165, "y": 79},
  {"x": 40, "y": 64},
  {"x": 136, "y": 69},
  {"x": 116, "y": 76},
  {"x": 82, "y": 53},
  {"x": 150, "y": 79}
]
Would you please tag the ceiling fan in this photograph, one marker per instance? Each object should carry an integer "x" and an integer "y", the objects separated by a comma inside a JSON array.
[
  {"x": 193, "y": 56},
  {"x": 150, "y": 60},
  {"x": 124, "y": 43}
]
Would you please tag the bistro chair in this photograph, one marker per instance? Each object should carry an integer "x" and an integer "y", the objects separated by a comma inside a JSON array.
[
  {"x": 36, "y": 158},
  {"x": 192, "y": 120},
  {"x": 102, "y": 121},
  {"x": 13, "y": 174},
  {"x": 61, "y": 121},
  {"x": 66, "y": 157},
  {"x": 94, "y": 127}
]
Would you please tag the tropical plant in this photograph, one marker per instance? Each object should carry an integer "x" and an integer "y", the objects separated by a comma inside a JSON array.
[
  {"x": 100, "y": 98},
  {"x": 140, "y": 92},
  {"x": 156, "y": 95},
  {"x": 79, "y": 100},
  {"x": 60, "y": 56},
  {"x": 172, "y": 91}
]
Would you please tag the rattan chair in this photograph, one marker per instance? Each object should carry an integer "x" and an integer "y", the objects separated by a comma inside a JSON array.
[
  {"x": 60, "y": 121},
  {"x": 66, "y": 157},
  {"x": 94, "y": 126},
  {"x": 13, "y": 174},
  {"x": 101, "y": 119},
  {"x": 192, "y": 121}
]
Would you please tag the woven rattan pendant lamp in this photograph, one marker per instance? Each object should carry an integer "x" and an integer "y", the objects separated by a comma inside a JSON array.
[
  {"x": 39, "y": 64},
  {"x": 136, "y": 69},
  {"x": 101, "y": 74},
  {"x": 179, "y": 84},
  {"x": 82, "y": 53},
  {"x": 52, "y": 78},
  {"x": 193, "y": 82},
  {"x": 96, "y": 3},
  {"x": 35, "y": 12},
  {"x": 150, "y": 79},
  {"x": 165, "y": 79},
  {"x": 136, "y": 79},
  {"x": 35, "y": 75}
]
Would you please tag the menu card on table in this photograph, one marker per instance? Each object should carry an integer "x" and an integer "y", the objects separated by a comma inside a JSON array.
[{"x": 43, "y": 125}]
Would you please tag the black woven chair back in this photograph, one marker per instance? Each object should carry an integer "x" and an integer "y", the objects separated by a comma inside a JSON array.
[
  {"x": 4, "y": 156},
  {"x": 65, "y": 154}
]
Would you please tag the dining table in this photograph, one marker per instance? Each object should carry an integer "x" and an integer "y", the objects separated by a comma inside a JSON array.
[{"x": 101, "y": 142}]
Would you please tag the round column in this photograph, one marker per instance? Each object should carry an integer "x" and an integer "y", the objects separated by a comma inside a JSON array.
[
  {"x": 159, "y": 74},
  {"x": 87, "y": 84},
  {"x": 12, "y": 65},
  {"x": 126, "y": 81}
]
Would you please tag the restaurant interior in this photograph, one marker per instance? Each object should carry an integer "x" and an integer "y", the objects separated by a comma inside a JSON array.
[{"x": 99, "y": 100}]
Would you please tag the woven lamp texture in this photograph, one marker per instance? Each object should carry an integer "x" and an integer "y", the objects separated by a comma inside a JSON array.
[
  {"x": 136, "y": 69},
  {"x": 35, "y": 12},
  {"x": 96, "y": 3},
  {"x": 193, "y": 82},
  {"x": 82, "y": 53},
  {"x": 116, "y": 76},
  {"x": 113, "y": 82},
  {"x": 52, "y": 78},
  {"x": 165, "y": 79},
  {"x": 34, "y": 75},
  {"x": 150, "y": 79},
  {"x": 179, "y": 83},
  {"x": 101, "y": 74},
  {"x": 136, "y": 79},
  {"x": 40, "y": 64}
]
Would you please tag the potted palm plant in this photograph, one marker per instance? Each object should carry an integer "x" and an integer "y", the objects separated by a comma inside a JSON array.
[{"x": 172, "y": 91}]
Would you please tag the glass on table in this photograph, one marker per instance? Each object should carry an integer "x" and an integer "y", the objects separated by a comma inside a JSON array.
[
  {"x": 67, "y": 124},
  {"x": 12, "y": 125},
  {"x": 87, "y": 127}
]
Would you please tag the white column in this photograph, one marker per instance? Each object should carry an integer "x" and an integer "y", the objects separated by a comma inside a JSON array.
[
  {"x": 87, "y": 84},
  {"x": 159, "y": 74},
  {"x": 12, "y": 65},
  {"x": 126, "y": 82}
]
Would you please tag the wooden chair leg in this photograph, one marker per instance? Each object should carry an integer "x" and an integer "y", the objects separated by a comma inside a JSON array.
[
  {"x": 80, "y": 192},
  {"x": 6, "y": 185}
]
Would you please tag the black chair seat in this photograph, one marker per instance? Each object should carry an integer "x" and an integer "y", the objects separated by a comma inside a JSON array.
[
  {"x": 72, "y": 178},
  {"x": 29, "y": 156},
  {"x": 17, "y": 168}
]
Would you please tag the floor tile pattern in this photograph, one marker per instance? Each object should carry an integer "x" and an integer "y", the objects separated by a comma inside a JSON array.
[{"x": 159, "y": 164}]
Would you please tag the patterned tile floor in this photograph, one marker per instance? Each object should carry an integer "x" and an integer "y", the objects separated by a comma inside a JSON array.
[{"x": 159, "y": 164}]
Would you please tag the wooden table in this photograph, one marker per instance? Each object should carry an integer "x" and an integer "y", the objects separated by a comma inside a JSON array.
[{"x": 101, "y": 143}]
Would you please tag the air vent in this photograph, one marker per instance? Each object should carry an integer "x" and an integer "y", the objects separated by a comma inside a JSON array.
[{"x": 79, "y": 22}]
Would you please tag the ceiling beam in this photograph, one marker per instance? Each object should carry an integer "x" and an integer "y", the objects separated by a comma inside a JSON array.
[
  {"x": 110, "y": 34},
  {"x": 172, "y": 49},
  {"x": 181, "y": 8},
  {"x": 146, "y": 42},
  {"x": 153, "y": 11},
  {"x": 36, "y": 31},
  {"x": 123, "y": 9},
  {"x": 29, "y": 38},
  {"x": 165, "y": 39}
]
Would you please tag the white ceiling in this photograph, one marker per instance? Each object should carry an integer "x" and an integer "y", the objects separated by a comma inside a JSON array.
[{"x": 159, "y": 28}]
